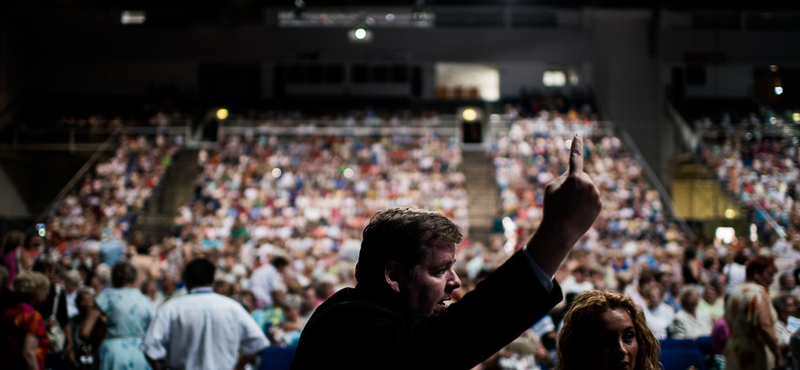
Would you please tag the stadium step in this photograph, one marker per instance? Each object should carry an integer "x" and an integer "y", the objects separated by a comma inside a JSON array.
[
  {"x": 176, "y": 188},
  {"x": 484, "y": 195}
]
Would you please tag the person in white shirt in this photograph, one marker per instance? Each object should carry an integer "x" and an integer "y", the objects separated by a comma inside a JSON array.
[
  {"x": 658, "y": 314},
  {"x": 578, "y": 281},
  {"x": 735, "y": 271},
  {"x": 785, "y": 306},
  {"x": 689, "y": 322},
  {"x": 265, "y": 278},
  {"x": 202, "y": 330},
  {"x": 72, "y": 282}
]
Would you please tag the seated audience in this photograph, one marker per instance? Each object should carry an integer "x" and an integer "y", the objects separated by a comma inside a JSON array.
[
  {"x": 689, "y": 322},
  {"x": 658, "y": 315}
]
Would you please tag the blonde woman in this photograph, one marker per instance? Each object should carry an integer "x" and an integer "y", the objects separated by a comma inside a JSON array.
[
  {"x": 606, "y": 330},
  {"x": 23, "y": 338}
]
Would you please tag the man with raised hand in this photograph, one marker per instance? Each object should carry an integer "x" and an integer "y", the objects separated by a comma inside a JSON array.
[{"x": 397, "y": 316}]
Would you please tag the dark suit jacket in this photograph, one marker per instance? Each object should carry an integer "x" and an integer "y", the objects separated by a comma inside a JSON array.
[{"x": 353, "y": 331}]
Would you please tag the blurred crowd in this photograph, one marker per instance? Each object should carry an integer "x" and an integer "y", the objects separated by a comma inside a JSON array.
[
  {"x": 368, "y": 117},
  {"x": 762, "y": 173},
  {"x": 281, "y": 217},
  {"x": 107, "y": 201}
]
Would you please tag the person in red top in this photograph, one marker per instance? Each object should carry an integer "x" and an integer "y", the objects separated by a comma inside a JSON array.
[{"x": 23, "y": 338}]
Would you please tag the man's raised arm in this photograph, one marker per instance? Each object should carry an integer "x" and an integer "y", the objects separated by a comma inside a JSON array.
[{"x": 571, "y": 204}]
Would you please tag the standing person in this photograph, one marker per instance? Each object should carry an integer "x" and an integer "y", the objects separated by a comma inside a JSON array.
[
  {"x": 86, "y": 352},
  {"x": 785, "y": 305},
  {"x": 150, "y": 290},
  {"x": 23, "y": 338},
  {"x": 751, "y": 318},
  {"x": 786, "y": 285},
  {"x": 72, "y": 283},
  {"x": 12, "y": 255},
  {"x": 56, "y": 319},
  {"x": 397, "y": 316},
  {"x": 265, "y": 278},
  {"x": 202, "y": 330},
  {"x": 111, "y": 248},
  {"x": 736, "y": 271},
  {"x": 128, "y": 313}
]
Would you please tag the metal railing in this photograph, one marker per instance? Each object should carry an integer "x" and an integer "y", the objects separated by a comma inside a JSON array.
[
  {"x": 651, "y": 177},
  {"x": 68, "y": 138},
  {"x": 106, "y": 145},
  {"x": 445, "y": 127},
  {"x": 693, "y": 141},
  {"x": 752, "y": 202}
]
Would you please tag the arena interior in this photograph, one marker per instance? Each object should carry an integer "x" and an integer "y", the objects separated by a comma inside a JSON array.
[{"x": 247, "y": 130}]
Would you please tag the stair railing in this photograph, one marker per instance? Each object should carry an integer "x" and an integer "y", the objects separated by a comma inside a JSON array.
[
  {"x": 651, "y": 177},
  {"x": 79, "y": 175}
]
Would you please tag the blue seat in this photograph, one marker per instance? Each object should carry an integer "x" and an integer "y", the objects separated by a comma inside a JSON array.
[
  {"x": 704, "y": 344},
  {"x": 277, "y": 358},
  {"x": 678, "y": 343},
  {"x": 682, "y": 358}
]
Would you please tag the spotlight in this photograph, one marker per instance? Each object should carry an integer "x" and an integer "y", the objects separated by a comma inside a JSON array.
[
  {"x": 469, "y": 114},
  {"x": 360, "y": 34},
  {"x": 778, "y": 90},
  {"x": 222, "y": 113}
]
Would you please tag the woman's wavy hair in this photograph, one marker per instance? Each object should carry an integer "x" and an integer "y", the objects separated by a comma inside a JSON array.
[{"x": 582, "y": 316}]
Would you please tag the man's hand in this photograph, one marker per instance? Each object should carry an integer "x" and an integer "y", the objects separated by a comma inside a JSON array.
[
  {"x": 572, "y": 201},
  {"x": 571, "y": 205}
]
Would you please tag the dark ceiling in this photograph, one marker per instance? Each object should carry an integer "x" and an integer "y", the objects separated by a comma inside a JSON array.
[{"x": 310, "y": 4}]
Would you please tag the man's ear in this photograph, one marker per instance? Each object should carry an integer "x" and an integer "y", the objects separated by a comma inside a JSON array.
[{"x": 391, "y": 273}]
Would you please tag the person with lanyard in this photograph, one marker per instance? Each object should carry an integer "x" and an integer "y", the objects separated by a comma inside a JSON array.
[{"x": 202, "y": 330}]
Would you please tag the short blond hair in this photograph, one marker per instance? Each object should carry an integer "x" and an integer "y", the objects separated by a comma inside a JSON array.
[{"x": 30, "y": 282}]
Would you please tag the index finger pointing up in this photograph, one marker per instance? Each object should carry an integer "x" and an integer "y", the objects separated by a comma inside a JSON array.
[{"x": 576, "y": 155}]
